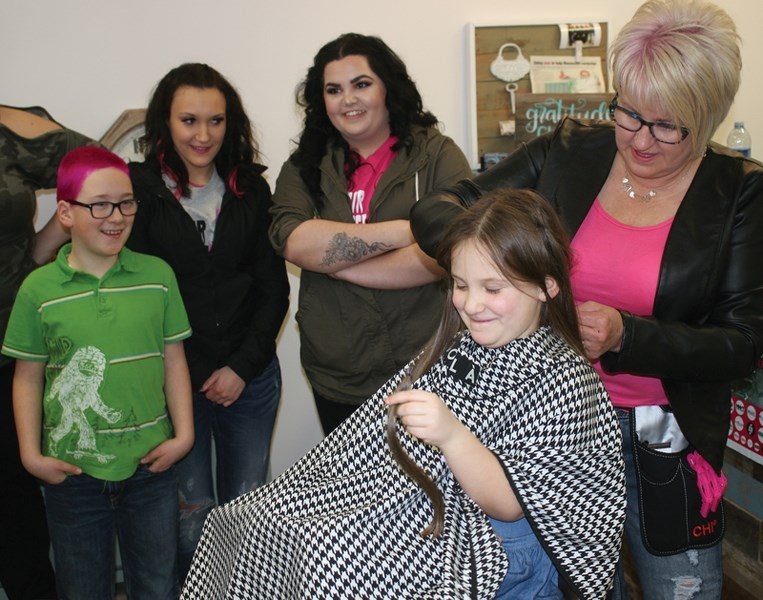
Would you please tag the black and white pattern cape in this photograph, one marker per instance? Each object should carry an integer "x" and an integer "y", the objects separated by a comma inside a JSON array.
[{"x": 345, "y": 521}]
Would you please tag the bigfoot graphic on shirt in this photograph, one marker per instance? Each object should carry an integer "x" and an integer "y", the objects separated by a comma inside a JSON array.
[{"x": 76, "y": 390}]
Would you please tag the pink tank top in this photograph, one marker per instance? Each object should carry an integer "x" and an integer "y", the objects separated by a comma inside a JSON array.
[{"x": 619, "y": 265}]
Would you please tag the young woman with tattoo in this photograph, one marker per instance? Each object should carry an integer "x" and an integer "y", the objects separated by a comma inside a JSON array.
[{"x": 369, "y": 297}]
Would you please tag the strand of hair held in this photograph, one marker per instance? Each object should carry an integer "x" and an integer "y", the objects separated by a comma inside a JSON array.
[{"x": 414, "y": 471}]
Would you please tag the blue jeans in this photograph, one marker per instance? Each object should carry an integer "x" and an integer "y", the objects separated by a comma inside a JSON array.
[
  {"x": 531, "y": 573},
  {"x": 694, "y": 574},
  {"x": 242, "y": 433},
  {"x": 83, "y": 514}
]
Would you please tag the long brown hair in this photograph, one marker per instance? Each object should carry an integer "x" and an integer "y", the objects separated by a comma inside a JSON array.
[{"x": 522, "y": 235}]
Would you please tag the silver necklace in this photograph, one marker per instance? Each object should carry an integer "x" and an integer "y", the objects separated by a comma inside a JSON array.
[{"x": 631, "y": 192}]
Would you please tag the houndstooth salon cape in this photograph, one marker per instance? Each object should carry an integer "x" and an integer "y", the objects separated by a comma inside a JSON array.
[{"x": 345, "y": 522}]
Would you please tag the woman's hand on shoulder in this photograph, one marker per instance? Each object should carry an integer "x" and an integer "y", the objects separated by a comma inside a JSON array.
[
  {"x": 601, "y": 328},
  {"x": 48, "y": 240}
]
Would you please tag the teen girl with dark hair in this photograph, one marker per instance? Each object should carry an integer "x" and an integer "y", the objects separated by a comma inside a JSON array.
[{"x": 204, "y": 209}]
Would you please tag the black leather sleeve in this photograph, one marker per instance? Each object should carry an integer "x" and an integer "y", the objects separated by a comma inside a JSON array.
[
  {"x": 710, "y": 295},
  {"x": 431, "y": 216}
]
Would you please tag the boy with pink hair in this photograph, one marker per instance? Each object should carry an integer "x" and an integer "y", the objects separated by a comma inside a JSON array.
[{"x": 101, "y": 393}]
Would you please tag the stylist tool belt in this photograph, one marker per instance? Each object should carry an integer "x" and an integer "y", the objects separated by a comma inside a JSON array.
[{"x": 679, "y": 494}]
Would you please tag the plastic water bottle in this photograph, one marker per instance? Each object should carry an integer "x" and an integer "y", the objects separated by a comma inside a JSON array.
[{"x": 739, "y": 139}]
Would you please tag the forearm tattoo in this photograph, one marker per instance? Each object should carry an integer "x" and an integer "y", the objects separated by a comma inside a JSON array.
[{"x": 343, "y": 248}]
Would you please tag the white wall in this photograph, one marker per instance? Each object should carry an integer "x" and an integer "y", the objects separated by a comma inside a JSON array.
[{"x": 87, "y": 60}]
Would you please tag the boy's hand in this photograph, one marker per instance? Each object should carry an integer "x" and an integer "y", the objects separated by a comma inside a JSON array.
[
  {"x": 50, "y": 470},
  {"x": 166, "y": 454},
  {"x": 424, "y": 415}
]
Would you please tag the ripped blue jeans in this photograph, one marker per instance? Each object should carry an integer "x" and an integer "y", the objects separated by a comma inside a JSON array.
[
  {"x": 691, "y": 575},
  {"x": 242, "y": 434}
]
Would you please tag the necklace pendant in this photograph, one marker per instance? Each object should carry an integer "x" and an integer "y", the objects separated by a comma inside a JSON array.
[{"x": 631, "y": 192}]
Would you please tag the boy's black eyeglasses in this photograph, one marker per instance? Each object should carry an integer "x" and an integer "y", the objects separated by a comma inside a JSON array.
[
  {"x": 103, "y": 209},
  {"x": 666, "y": 133}
]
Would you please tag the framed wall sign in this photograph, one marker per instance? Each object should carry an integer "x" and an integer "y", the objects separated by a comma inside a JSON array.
[
  {"x": 539, "y": 113},
  {"x": 502, "y": 112}
]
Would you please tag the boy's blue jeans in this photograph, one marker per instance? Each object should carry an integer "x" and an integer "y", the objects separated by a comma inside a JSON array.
[
  {"x": 83, "y": 515},
  {"x": 242, "y": 434}
]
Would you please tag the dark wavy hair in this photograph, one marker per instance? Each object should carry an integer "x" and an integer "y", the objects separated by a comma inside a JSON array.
[
  {"x": 235, "y": 162},
  {"x": 520, "y": 232},
  {"x": 403, "y": 103}
]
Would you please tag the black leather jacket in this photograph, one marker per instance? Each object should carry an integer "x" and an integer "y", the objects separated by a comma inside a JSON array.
[{"x": 707, "y": 327}]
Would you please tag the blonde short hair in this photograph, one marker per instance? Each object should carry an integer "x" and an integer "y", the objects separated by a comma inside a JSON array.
[{"x": 684, "y": 56}]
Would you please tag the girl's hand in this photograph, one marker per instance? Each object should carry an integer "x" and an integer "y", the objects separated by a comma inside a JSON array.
[
  {"x": 424, "y": 416},
  {"x": 223, "y": 387}
]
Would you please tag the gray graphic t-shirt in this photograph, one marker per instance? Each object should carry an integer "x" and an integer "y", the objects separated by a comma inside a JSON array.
[{"x": 203, "y": 206}]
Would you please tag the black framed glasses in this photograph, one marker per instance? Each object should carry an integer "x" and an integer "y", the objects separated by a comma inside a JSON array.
[
  {"x": 103, "y": 209},
  {"x": 665, "y": 133}
]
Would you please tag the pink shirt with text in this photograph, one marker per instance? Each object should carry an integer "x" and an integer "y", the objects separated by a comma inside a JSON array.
[{"x": 362, "y": 184}]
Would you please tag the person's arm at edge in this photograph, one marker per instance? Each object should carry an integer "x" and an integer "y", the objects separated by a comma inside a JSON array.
[
  {"x": 52, "y": 235},
  {"x": 48, "y": 240}
]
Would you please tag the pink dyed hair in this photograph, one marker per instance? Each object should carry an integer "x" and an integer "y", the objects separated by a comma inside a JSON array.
[{"x": 78, "y": 164}]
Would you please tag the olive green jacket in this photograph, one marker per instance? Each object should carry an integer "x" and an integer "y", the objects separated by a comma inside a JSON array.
[{"x": 354, "y": 338}]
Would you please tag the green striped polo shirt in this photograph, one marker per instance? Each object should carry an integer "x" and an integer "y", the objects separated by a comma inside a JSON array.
[{"x": 103, "y": 344}]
